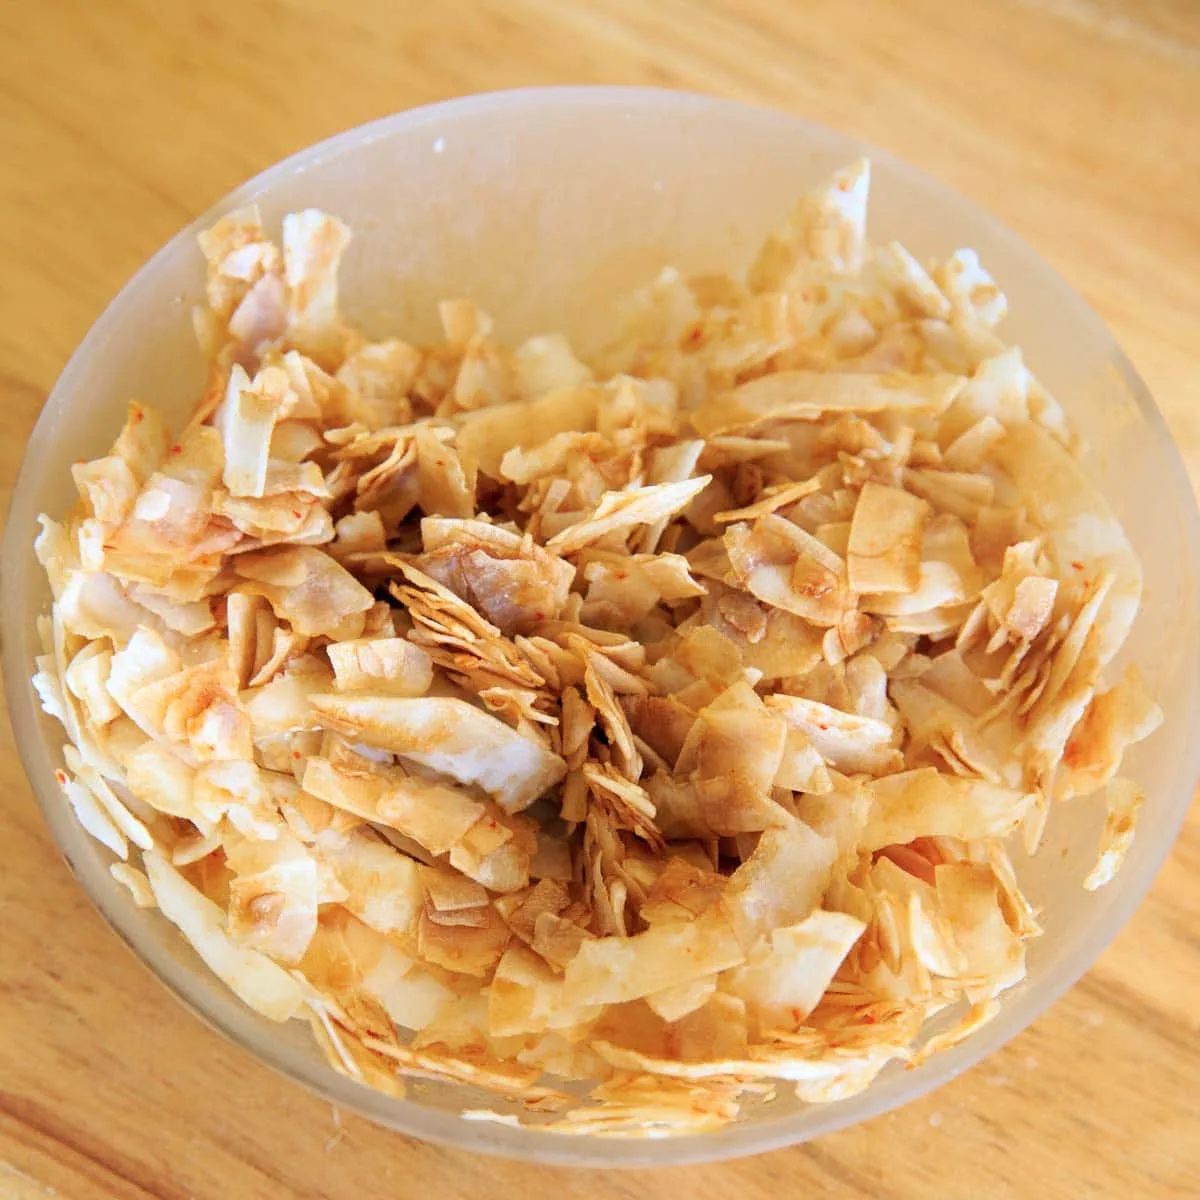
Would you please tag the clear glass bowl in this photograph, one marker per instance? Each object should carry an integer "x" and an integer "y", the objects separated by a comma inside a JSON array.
[{"x": 543, "y": 205}]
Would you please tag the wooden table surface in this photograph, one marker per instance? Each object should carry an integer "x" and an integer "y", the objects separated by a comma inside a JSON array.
[{"x": 1074, "y": 121}]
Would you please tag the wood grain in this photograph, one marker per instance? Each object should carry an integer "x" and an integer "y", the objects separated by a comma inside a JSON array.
[{"x": 1074, "y": 121}]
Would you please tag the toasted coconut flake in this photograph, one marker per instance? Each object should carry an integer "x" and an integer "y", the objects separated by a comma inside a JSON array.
[
  {"x": 238, "y": 256},
  {"x": 142, "y": 442},
  {"x": 619, "y": 511},
  {"x": 976, "y": 1017},
  {"x": 525, "y": 996},
  {"x": 275, "y": 910},
  {"x": 471, "y": 947},
  {"x": 1124, "y": 799},
  {"x": 313, "y": 244},
  {"x": 738, "y": 748},
  {"x": 487, "y": 435},
  {"x": 510, "y": 579},
  {"x": 993, "y": 957},
  {"x": 248, "y": 421},
  {"x": 885, "y": 540},
  {"x": 802, "y": 768},
  {"x": 1079, "y": 522},
  {"x": 787, "y": 973},
  {"x": 261, "y": 983},
  {"x": 382, "y": 885},
  {"x": 1113, "y": 721},
  {"x": 108, "y": 487},
  {"x": 788, "y": 568},
  {"x": 845, "y": 741},
  {"x": 926, "y": 803},
  {"x": 93, "y": 817},
  {"x": 305, "y": 587},
  {"x": 675, "y": 1003},
  {"x": 482, "y": 1071},
  {"x": 391, "y": 665},
  {"x": 810, "y": 395},
  {"x": 781, "y": 882},
  {"x": 911, "y": 281},
  {"x": 624, "y": 588},
  {"x": 545, "y": 363},
  {"x": 433, "y": 815},
  {"x": 452, "y": 737},
  {"x": 615, "y": 970},
  {"x": 972, "y": 292},
  {"x": 771, "y": 500},
  {"x": 127, "y": 825},
  {"x": 827, "y": 227},
  {"x": 135, "y": 883}
]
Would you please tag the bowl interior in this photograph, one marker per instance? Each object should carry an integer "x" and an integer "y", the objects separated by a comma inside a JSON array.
[{"x": 543, "y": 206}]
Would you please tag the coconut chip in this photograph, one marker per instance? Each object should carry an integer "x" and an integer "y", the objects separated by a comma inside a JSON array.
[
  {"x": 658, "y": 724},
  {"x": 1124, "y": 799}
]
